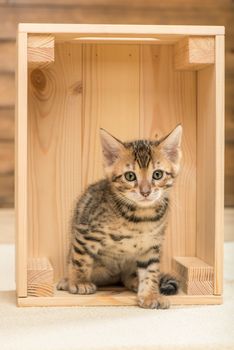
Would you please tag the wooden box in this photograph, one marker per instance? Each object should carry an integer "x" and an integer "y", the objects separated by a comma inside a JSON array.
[{"x": 134, "y": 81}]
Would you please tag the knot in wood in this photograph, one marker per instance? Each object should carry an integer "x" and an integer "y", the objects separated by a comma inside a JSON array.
[
  {"x": 38, "y": 79},
  {"x": 77, "y": 88}
]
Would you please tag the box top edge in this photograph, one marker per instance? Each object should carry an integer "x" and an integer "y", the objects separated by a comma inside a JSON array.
[{"x": 120, "y": 29}]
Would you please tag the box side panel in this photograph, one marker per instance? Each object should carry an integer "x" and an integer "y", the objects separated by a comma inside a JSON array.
[
  {"x": 21, "y": 168},
  {"x": 206, "y": 164},
  {"x": 55, "y": 145},
  {"x": 210, "y": 155},
  {"x": 109, "y": 29},
  {"x": 168, "y": 97},
  {"x": 113, "y": 298},
  {"x": 87, "y": 87},
  {"x": 111, "y": 100},
  {"x": 219, "y": 205}
]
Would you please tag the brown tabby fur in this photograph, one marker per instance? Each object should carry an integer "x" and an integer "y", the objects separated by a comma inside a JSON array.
[{"x": 118, "y": 225}]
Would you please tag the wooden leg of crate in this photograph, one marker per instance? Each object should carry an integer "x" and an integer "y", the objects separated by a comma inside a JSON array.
[
  {"x": 40, "y": 49},
  {"x": 194, "y": 53},
  {"x": 197, "y": 277},
  {"x": 40, "y": 277}
]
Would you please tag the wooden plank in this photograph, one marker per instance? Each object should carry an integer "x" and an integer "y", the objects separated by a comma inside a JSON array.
[
  {"x": 40, "y": 49},
  {"x": 40, "y": 276},
  {"x": 6, "y": 158},
  {"x": 194, "y": 53},
  {"x": 168, "y": 98},
  {"x": 21, "y": 153},
  {"x": 219, "y": 164},
  {"x": 197, "y": 277},
  {"x": 206, "y": 116},
  {"x": 55, "y": 145},
  {"x": 7, "y": 90},
  {"x": 112, "y": 298},
  {"x": 120, "y": 29},
  {"x": 111, "y": 100},
  {"x": 211, "y": 161},
  {"x": 7, "y": 124},
  {"x": 7, "y": 56}
]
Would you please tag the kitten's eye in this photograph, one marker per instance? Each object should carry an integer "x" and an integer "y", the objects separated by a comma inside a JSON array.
[
  {"x": 157, "y": 174},
  {"x": 130, "y": 176}
]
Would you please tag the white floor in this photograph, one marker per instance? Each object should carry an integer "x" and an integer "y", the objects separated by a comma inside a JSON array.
[{"x": 194, "y": 327}]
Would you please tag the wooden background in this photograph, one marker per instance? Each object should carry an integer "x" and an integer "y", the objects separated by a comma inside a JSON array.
[{"x": 196, "y": 12}]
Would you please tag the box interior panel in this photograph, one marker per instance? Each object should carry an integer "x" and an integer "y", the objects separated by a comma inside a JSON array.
[
  {"x": 167, "y": 98},
  {"x": 54, "y": 149},
  {"x": 110, "y": 100},
  {"x": 130, "y": 90},
  {"x": 206, "y": 165}
]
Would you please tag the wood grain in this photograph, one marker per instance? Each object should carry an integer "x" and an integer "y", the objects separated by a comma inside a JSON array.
[
  {"x": 111, "y": 78},
  {"x": 211, "y": 161},
  {"x": 21, "y": 158},
  {"x": 194, "y": 53},
  {"x": 112, "y": 298},
  {"x": 195, "y": 275},
  {"x": 219, "y": 163},
  {"x": 40, "y": 49},
  {"x": 55, "y": 105},
  {"x": 206, "y": 165},
  {"x": 40, "y": 278},
  {"x": 167, "y": 99}
]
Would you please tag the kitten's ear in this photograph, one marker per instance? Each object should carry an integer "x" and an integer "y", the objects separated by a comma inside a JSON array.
[
  {"x": 171, "y": 144},
  {"x": 111, "y": 147}
]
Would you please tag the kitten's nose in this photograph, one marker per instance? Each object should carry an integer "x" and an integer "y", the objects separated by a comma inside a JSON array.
[{"x": 145, "y": 193}]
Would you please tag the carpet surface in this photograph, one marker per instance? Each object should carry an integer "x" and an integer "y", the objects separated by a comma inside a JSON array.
[{"x": 115, "y": 328}]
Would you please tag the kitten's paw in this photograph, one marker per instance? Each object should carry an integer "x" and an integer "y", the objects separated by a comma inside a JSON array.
[
  {"x": 153, "y": 301},
  {"x": 63, "y": 284},
  {"x": 82, "y": 288}
]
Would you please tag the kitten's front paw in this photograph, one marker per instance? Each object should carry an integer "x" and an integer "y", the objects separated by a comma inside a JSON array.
[
  {"x": 153, "y": 301},
  {"x": 82, "y": 288},
  {"x": 63, "y": 284}
]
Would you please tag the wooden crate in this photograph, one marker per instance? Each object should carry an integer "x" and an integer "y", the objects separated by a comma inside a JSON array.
[{"x": 134, "y": 81}]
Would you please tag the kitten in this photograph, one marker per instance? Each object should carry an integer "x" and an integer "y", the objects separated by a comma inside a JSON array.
[{"x": 119, "y": 222}]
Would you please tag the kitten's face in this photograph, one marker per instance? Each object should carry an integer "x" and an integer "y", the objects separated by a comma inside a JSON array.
[{"x": 142, "y": 171}]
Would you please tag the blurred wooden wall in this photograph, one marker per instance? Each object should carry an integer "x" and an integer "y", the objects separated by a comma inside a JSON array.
[{"x": 196, "y": 12}]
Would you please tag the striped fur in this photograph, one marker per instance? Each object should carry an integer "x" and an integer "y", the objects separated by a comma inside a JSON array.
[{"x": 118, "y": 225}]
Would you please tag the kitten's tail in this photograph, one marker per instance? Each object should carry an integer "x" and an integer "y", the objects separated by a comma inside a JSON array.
[{"x": 168, "y": 284}]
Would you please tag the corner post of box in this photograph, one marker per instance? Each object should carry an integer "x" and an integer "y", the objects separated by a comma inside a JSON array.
[
  {"x": 40, "y": 49},
  {"x": 21, "y": 166},
  {"x": 194, "y": 52},
  {"x": 219, "y": 163}
]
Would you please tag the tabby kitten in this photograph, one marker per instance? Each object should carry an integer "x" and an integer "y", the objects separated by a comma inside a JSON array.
[{"x": 119, "y": 222}]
